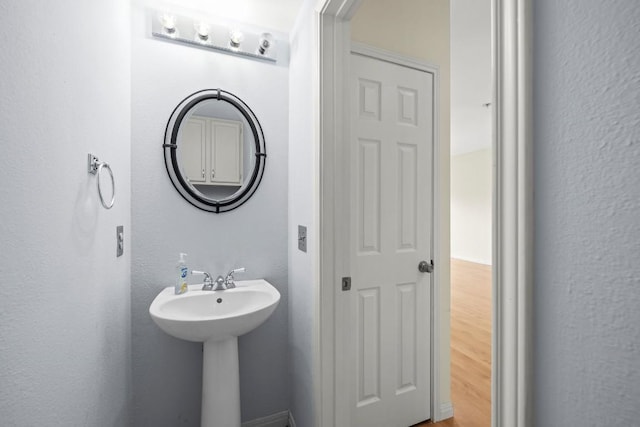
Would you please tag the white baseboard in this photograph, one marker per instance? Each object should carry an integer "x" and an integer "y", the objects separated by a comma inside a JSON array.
[
  {"x": 281, "y": 419},
  {"x": 446, "y": 411}
]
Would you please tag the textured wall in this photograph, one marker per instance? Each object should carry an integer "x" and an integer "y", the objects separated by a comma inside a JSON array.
[
  {"x": 302, "y": 211},
  {"x": 420, "y": 29},
  {"x": 471, "y": 206},
  {"x": 167, "y": 372},
  {"x": 587, "y": 212},
  {"x": 65, "y": 335}
]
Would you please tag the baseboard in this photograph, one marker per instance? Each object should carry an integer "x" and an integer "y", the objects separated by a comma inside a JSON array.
[
  {"x": 281, "y": 419},
  {"x": 446, "y": 411},
  {"x": 292, "y": 422}
]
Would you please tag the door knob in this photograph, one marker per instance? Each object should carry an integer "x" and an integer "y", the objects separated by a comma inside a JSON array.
[{"x": 425, "y": 267}]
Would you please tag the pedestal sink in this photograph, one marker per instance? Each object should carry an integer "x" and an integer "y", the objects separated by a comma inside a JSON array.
[{"x": 216, "y": 318}]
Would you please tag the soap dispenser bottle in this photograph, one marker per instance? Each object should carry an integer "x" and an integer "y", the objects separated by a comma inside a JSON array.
[{"x": 181, "y": 275}]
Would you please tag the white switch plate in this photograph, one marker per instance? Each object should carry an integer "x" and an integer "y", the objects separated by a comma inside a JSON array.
[
  {"x": 119, "y": 240},
  {"x": 302, "y": 238}
]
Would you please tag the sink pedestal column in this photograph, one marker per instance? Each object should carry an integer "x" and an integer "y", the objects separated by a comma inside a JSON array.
[{"x": 220, "y": 384}]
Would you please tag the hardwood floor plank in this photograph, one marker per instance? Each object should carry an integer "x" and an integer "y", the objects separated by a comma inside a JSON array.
[{"x": 470, "y": 345}]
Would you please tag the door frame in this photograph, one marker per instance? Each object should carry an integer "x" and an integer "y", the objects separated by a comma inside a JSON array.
[{"x": 512, "y": 213}]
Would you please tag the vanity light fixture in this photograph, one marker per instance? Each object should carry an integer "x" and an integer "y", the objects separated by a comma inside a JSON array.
[
  {"x": 235, "y": 38},
  {"x": 265, "y": 43},
  {"x": 168, "y": 22},
  {"x": 216, "y": 36}
]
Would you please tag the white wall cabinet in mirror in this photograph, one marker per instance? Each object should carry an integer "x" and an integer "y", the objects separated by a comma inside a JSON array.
[{"x": 214, "y": 150}]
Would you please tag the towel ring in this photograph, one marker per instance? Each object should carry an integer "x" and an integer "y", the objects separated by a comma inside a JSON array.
[{"x": 95, "y": 167}]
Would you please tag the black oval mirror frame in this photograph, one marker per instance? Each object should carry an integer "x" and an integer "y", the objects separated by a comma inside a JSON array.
[{"x": 170, "y": 147}]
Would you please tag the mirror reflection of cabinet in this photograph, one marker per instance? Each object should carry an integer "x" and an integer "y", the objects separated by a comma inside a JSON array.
[{"x": 212, "y": 151}]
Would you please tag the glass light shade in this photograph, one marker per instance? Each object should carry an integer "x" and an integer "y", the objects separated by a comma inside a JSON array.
[
  {"x": 202, "y": 31},
  {"x": 168, "y": 22},
  {"x": 235, "y": 38},
  {"x": 266, "y": 42}
]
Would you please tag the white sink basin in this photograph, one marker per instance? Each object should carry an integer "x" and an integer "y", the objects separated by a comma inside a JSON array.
[{"x": 214, "y": 315}]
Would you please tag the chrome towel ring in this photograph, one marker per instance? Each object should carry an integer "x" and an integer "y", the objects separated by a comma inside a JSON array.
[{"x": 95, "y": 167}]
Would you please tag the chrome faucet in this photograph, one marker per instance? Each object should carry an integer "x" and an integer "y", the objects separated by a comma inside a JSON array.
[
  {"x": 228, "y": 281},
  {"x": 221, "y": 283}
]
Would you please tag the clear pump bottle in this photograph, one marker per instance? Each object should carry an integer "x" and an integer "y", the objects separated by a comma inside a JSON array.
[{"x": 182, "y": 271}]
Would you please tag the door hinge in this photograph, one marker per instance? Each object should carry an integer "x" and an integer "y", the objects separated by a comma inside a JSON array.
[{"x": 346, "y": 283}]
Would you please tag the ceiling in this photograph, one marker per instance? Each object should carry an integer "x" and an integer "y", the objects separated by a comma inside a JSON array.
[
  {"x": 470, "y": 75},
  {"x": 278, "y": 15}
]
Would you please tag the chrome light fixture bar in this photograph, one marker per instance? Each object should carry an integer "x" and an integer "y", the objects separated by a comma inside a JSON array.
[{"x": 231, "y": 40}]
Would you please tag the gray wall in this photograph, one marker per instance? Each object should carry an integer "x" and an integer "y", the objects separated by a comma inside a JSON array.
[
  {"x": 166, "y": 371},
  {"x": 587, "y": 212},
  {"x": 65, "y": 356},
  {"x": 302, "y": 208}
]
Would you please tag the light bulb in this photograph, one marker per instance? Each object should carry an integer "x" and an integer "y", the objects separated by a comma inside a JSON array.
[
  {"x": 202, "y": 31},
  {"x": 266, "y": 41},
  {"x": 235, "y": 38},
  {"x": 168, "y": 22}
]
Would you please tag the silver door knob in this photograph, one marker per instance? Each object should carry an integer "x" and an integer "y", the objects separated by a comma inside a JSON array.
[{"x": 425, "y": 267}]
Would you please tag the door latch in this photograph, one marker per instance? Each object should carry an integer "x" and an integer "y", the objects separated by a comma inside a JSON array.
[{"x": 346, "y": 283}]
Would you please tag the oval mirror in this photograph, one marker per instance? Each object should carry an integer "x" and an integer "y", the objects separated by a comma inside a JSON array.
[{"x": 214, "y": 150}]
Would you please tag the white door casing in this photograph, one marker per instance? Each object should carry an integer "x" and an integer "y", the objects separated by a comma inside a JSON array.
[
  {"x": 392, "y": 119},
  {"x": 512, "y": 223}
]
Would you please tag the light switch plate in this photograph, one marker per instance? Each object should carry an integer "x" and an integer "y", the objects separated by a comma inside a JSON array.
[
  {"x": 302, "y": 238},
  {"x": 119, "y": 240}
]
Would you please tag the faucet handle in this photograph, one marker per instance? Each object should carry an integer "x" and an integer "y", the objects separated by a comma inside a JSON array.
[
  {"x": 208, "y": 281},
  {"x": 228, "y": 281},
  {"x": 206, "y": 275}
]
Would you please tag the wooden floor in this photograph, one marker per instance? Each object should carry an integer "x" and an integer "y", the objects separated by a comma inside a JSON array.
[{"x": 470, "y": 345}]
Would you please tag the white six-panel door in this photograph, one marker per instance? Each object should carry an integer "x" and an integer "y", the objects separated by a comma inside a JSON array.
[{"x": 391, "y": 224}]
